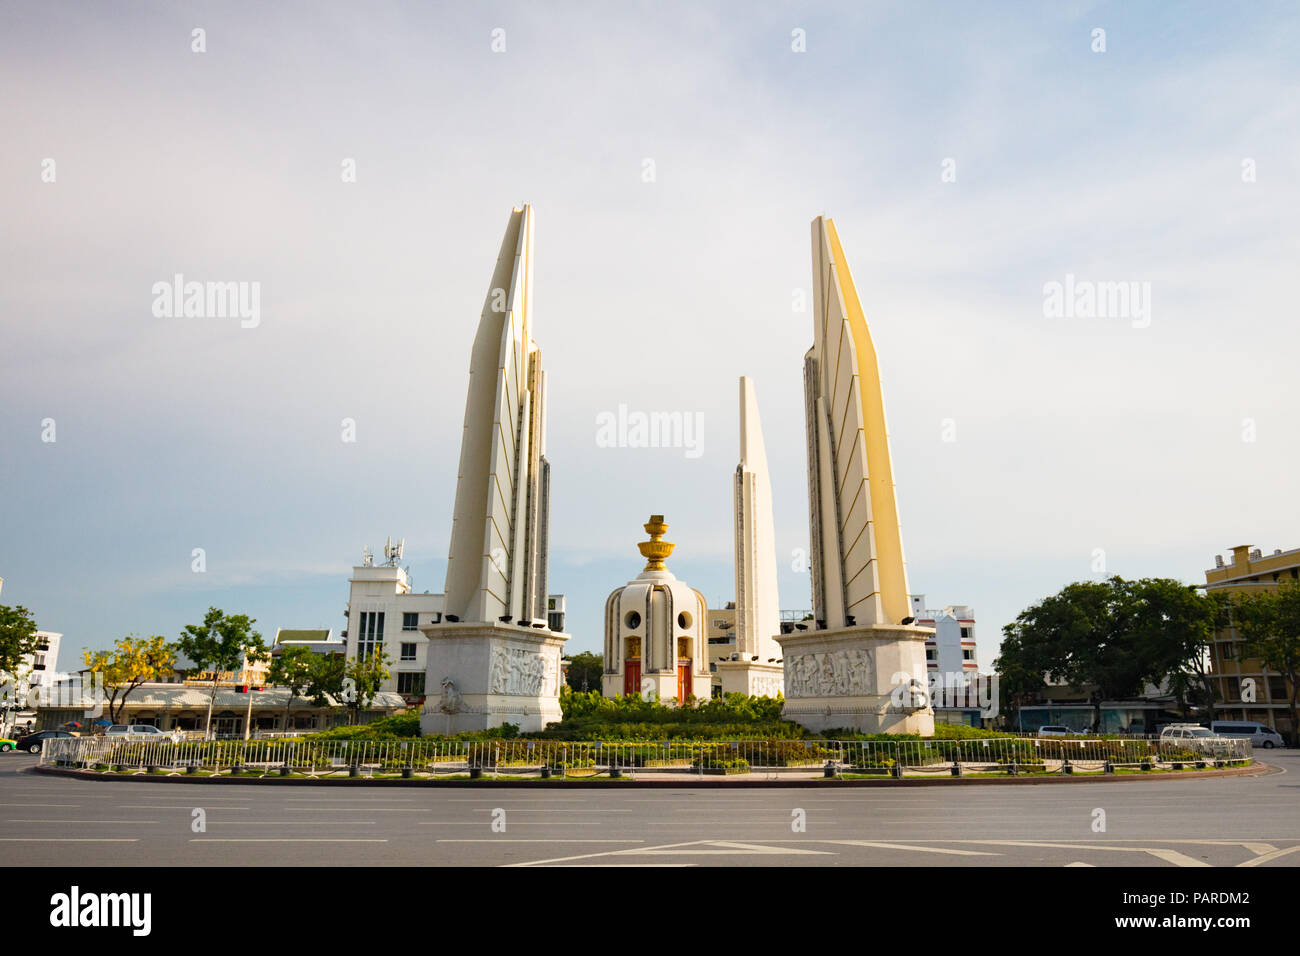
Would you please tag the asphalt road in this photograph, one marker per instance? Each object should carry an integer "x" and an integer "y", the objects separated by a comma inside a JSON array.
[{"x": 1237, "y": 821}]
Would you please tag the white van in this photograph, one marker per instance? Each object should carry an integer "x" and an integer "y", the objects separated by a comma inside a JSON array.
[{"x": 1258, "y": 734}]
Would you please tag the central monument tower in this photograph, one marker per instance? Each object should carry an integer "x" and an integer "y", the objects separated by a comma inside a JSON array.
[
  {"x": 860, "y": 663},
  {"x": 492, "y": 659}
]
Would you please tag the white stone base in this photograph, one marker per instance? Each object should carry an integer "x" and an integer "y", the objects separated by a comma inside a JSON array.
[
  {"x": 498, "y": 674},
  {"x": 751, "y": 678},
  {"x": 848, "y": 678}
]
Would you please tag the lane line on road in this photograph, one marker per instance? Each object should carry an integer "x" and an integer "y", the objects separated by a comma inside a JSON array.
[
  {"x": 178, "y": 806},
  {"x": 150, "y": 822},
  {"x": 279, "y": 840},
  {"x": 485, "y": 823},
  {"x": 69, "y": 840}
]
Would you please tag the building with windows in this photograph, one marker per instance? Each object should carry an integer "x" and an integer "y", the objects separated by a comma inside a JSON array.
[
  {"x": 1244, "y": 688},
  {"x": 952, "y": 649}
]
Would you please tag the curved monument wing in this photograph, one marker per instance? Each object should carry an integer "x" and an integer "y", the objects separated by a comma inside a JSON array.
[
  {"x": 858, "y": 564},
  {"x": 497, "y": 557}
]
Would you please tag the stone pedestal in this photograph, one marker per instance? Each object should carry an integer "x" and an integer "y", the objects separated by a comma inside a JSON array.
[
  {"x": 751, "y": 678},
  {"x": 870, "y": 679},
  {"x": 484, "y": 675}
]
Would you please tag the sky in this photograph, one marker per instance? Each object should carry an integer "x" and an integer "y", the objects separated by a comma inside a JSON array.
[{"x": 675, "y": 154}]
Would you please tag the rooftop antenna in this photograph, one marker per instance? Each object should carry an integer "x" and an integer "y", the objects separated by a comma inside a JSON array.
[
  {"x": 367, "y": 557},
  {"x": 393, "y": 552}
]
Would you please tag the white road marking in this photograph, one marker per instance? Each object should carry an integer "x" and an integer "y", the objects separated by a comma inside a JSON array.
[
  {"x": 510, "y": 809},
  {"x": 152, "y": 806},
  {"x": 904, "y": 846},
  {"x": 515, "y": 840},
  {"x": 1266, "y": 857},
  {"x": 276, "y": 840},
  {"x": 1169, "y": 856},
  {"x": 717, "y": 847},
  {"x": 290, "y": 823},
  {"x": 68, "y": 840},
  {"x": 153, "y": 822},
  {"x": 363, "y": 809},
  {"x": 484, "y": 823}
]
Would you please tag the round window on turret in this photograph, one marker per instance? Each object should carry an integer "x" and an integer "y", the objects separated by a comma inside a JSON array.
[
  {"x": 633, "y": 620},
  {"x": 684, "y": 620}
]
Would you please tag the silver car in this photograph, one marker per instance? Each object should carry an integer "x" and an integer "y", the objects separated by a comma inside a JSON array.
[{"x": 143, "y": 733}]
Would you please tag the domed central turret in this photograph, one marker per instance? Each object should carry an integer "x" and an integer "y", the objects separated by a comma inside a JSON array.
[{"x": 655, "y": 630}]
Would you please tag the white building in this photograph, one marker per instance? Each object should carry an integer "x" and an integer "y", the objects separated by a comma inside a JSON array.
[{"x": 952, "y": 649}]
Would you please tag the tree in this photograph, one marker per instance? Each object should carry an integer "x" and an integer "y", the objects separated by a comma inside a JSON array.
[
  {"x": 130, "y": 662},
  {"x": 362, "y": 678},
  {"x": 293, "y": 668},
  {"x": 1176, "y": 626},
  {"x": 1270, "y": 623},
  {"x": 221, "y": 644},
  {"x": 17, "y": 638},
  {"x": 1115, "y": 635},
  {"x": 1019, "y": 671},
  {"x": 585, "y": 671}
]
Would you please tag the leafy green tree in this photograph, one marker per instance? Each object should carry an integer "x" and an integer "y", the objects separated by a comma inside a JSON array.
[
  {"x": 1176, "y": 624},
  {"x": 361, "y": 681},
  {"x": 129, "y": 663},
  {"x": 296, "y": 668},
  {"x": 17, "y": 638},
  {"x": 1270, "y": 623},
  {"x": 222, "y": 643},
  {"x": 1116, "y": 635},
  {"x": 585, "y": 671},
  {"x": 1020, "y": 673}
]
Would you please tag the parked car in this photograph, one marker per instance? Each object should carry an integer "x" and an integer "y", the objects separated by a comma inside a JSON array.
[
  {"x": 1258, "y": 734},
  {"x": 35, "y": 743},
  {"x": 1195, "y": 737},
  {"x": 143, "y": 732},
  {"x": 6, "y": 744},
  {"x": 1054, "y": 731}
]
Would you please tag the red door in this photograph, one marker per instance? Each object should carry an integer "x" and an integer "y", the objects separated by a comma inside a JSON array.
[
  {"x": 632, "y": 677},
  {"x": 685, "y": 687}
]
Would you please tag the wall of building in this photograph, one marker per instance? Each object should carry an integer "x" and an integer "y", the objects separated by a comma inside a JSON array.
[{"x": 1249, "y": 570}]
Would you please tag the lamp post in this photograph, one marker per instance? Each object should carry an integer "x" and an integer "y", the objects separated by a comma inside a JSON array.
[{"x": 248, "y": 717}]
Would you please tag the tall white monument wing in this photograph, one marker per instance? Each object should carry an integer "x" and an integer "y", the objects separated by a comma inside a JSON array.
[
  {"x": 497, "y": 564},
  {"x": 757, "y": 604},
  {"x": 858, "y": 565}
]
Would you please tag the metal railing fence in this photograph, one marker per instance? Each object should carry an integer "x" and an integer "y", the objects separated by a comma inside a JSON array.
[{"x": 431, "y": 757}]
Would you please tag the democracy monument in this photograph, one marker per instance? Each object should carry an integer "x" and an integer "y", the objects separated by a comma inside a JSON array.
[
  {"x": 492, "y": 659},
  {"x": 862, "y": 663},
  {"x": 859, "y": 663}
]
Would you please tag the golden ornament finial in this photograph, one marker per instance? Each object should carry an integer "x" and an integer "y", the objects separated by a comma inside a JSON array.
[{"x": 656, "y": 549}]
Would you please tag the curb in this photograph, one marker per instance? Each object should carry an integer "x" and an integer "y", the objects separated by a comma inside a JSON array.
[{"x": 1255, "y": 770}]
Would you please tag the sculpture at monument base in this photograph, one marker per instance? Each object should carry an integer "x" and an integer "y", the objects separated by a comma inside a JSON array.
[
  {"x": 492, "y": 674},
  {"x": 869, "y": 679}
]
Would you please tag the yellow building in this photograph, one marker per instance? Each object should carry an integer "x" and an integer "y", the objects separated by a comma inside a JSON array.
[{"x": 1249, "y": 570}]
